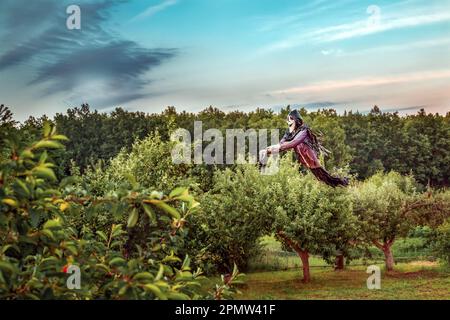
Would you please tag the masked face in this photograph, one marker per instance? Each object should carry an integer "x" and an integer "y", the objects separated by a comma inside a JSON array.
[{"x": 291, "y": 122}]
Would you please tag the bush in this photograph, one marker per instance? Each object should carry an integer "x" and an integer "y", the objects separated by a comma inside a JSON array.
[
  {"x": 39, "y": 244},
  {"x": 442, "y": 242},
  {"x": 232, "y": 218},
  {"x": 150, "y": 161}
]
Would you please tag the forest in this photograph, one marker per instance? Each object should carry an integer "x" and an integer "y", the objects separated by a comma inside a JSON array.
[{"x": 99, "y": 191}]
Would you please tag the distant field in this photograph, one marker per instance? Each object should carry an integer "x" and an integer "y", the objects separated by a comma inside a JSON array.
[
  {"x": 415, "y": 280},
  {"x": 273, "y": 258}
]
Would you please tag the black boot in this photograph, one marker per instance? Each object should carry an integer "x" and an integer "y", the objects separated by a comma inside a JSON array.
[{"x": 323, "y": 175}]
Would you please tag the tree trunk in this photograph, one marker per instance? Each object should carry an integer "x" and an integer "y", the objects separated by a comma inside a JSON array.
[
  {"x": 389, "y": 257},
  {"x": 304, "y": 256},
  {"x": 339, "y": 262},
  {"x": 386, "y": 248}
]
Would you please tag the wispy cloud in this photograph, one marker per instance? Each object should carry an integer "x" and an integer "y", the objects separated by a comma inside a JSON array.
[
  {"x": 331, "y": 52},
  {"x": 297, "y": 16},
  {"x": 358, "y": 28},
  {"x": 152, "y": 10},
  {"x": 362, "y": 28},
  {"x": 94, "y": 63},
  {"x": 403, "y": 109},
  {"x": 437, "y": 42},
  {"x": 366, "y": 82},
  {"x": 444, "y": 43}
]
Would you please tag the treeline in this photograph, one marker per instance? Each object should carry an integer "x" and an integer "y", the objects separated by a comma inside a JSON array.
[
  {"x": 139, "y": 225},
  {"x": 417, "y": 144}
]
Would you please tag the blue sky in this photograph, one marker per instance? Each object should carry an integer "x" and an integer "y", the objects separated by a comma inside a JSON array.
[{"x": 233, "y": 54}]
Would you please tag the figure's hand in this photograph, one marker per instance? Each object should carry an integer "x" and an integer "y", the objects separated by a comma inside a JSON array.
[{"x": 269, "y": 150}]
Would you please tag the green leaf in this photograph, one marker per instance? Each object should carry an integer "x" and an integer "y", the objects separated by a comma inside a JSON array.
[
  {"x": 23, "y": 186},
  {"x": 10, "y": 202},
  {"x": 178, "y": 296},
  {"x": 10, "y": 246},
  {"x": 168, "y": 209},
  {"x": 186, "y": 198},
  {"x": 48, "y": 233},
  {"x": 149, "y": 211},
  {"x": 160, "y": 273},
  {"x": 117, "y": 261},
  {"x": 45, "y": 173},
  {"x": 123, "y": 290},
  {"x": 133, "y": 218},
  {"x": 235, "y": 271},
  {"x": 156, "y": 291},
  {"x": 43, "y": 157},
  {"x": 26, "y": 154},
  {"x": 47, "y": 128},
  {"x": 193, "y": 204},
  {"x": 102, "y": 267},
  {"x": 73, "y": 249},
  {"x": 156, "y": 195},
  {"x": 186, "y": 263},
  {"x": 7, "y": 267},
  {"x": 178, "y": 192},
  {"x": 102, "y": 235},
  {"x": 116, "y": 230},
  {"x": 52, "y": 224},
  {"x": 146, "y": 276},
  {"x": 171, "y": 258},
  {"x": 48, "y": 144},
  {"x": 60, "y": 137}
]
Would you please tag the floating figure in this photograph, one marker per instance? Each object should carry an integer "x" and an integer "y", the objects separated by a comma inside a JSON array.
[{"x": 306, "y": 147}]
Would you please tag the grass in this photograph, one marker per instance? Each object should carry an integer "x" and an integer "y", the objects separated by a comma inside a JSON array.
[
  {"x": 409, "y": 281},
  {"x": 276, "y": 275}
]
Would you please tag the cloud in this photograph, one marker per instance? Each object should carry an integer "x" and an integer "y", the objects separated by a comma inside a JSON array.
[
  {"x": 93, "y": 62},
  {"x": 403, "y": 109},
  {"x": 365, "y": 82},
  {"x": 362, "y": 28},
  {"x": 331, "y": 52},
  {"x": 437, "y": 42},
  {"x": 152, "y": 10},
  {"x": 358, "y": 28},
  {"x": 296, "y": 16}
]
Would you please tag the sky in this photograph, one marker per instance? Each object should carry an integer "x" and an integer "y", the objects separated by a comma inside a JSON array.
[{"x": 233, "y": 54}]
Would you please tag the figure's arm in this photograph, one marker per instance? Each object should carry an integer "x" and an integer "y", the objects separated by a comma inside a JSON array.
[
  {"x": 275, "y": 147},
  {"x": 283, "y": 145}
]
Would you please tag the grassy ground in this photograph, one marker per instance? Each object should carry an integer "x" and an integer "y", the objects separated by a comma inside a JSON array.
[
  {"x": 417, "y": 280},
  {"x": 277, "y": 275}
]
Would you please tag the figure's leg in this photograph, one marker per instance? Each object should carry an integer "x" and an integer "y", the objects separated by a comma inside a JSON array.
[{"x": 323, "y": 175}]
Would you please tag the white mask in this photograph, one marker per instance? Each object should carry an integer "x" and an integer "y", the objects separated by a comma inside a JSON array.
[{"x": 291, "y": 122}]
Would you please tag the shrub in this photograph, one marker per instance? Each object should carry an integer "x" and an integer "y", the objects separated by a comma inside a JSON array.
[
  {"x": 441, "y": 244},
  {"x": 38, "y": 244},
  {"x": 232, "y": 218}
]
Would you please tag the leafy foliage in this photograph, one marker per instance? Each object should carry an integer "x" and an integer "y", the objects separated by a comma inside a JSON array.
[
  {"x": 441, "y": 243},
  {"x": 38, "y": 242},
  {"x": 312, "y": 218},
  {"x": 232, "y": 218}
]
